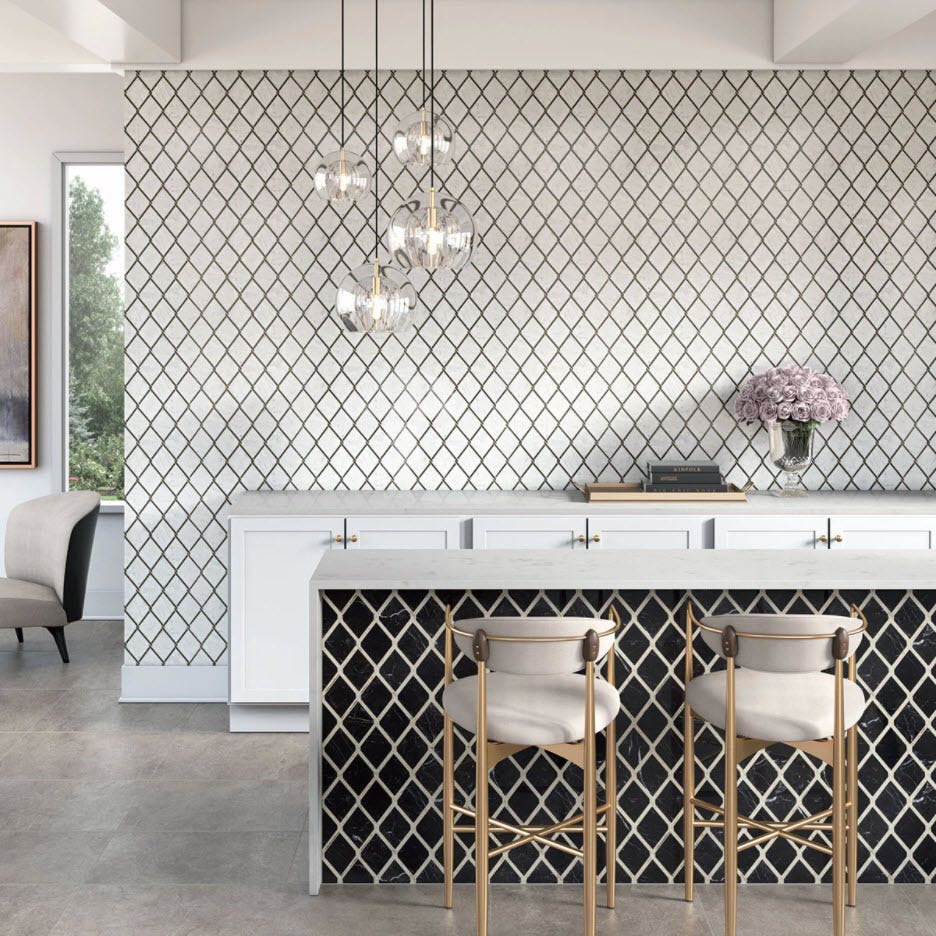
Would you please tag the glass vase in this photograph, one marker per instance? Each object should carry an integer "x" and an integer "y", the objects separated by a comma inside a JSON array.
[{"x": 791, "y": 450}]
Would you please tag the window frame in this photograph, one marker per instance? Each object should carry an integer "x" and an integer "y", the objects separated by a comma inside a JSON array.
[{"x": 61, "y": 163}]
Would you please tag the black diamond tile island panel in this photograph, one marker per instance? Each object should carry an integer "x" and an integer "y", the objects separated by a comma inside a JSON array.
[
  {"x": 383, "y": 668},
  {"x": 647, "y": 240}
]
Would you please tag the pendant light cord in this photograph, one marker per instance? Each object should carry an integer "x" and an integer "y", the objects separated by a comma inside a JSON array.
[
  {"x": 342, "y": 79},
  {"x": 432, "y": 126},
  {"x": 376, "y": 128},
  {"x": 424, "y": 54}
]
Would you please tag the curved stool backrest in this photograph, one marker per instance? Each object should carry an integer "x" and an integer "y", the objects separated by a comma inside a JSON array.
[
  {"x": 784, "y": 643},
  {"x": 536, "y": 646}
]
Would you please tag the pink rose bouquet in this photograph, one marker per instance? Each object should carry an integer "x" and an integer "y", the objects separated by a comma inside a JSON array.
[{"x": 792, "y": 393}]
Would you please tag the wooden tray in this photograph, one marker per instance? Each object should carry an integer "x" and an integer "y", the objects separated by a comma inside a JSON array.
[{"x": 610, "y": 492}]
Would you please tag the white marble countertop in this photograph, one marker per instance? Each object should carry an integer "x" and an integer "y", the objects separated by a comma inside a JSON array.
[
  {"x": 626, "y": 569},
  {"x": 481, "y": 503}
]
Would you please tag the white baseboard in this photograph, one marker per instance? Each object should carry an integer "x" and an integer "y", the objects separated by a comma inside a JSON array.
[
  {"x": 173, "y": 684},
  {"x": 104, "y": 605},
  {"x": 280, "y": 718}
]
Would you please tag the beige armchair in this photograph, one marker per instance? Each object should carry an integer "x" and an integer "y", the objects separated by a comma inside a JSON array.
[{"x": 47, "y": 554}]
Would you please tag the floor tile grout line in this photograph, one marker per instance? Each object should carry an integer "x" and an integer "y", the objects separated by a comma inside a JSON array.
[{"x": 66, "y": 908}]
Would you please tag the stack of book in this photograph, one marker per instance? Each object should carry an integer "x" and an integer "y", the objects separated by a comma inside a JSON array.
[{"x": 691, "y": 477}]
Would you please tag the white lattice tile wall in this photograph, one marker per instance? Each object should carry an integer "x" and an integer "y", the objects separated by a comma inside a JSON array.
[{"x": 646, "y": 241}]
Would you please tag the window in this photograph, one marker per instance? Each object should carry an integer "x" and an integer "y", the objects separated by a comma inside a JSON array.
[{"x": 93, "y": 269}]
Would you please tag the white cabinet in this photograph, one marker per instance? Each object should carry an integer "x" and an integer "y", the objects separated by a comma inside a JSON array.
[
  {"x": 273, "y": 555},
  {"x": 771, "y": 532},
  {"x": 403, "y": 532},
  {"x": 271, "y": 562},
  {"x": 631, "y": 532},
  {"x": 569, "y": 532},
  {"x": 894, "y": 532}
]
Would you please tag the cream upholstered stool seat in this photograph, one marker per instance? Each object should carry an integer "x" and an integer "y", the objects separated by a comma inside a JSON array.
[
  {"x": 531, "y": 710},
  {"x": 775, "y": 690},
  {"x": 791, "y": 706},
  {"x": 529, "y": 691}
]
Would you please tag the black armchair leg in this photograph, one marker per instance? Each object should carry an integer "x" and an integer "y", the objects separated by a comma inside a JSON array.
[
  {"x": 58, "y": 635},
  {"x": 19, "y": 633}
]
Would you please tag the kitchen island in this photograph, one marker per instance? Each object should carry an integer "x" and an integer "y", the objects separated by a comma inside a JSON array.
[{"x": 376, "y": 675}]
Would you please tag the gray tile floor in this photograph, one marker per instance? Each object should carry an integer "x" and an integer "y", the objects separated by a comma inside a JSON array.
[{"x": 152, "y": 819}]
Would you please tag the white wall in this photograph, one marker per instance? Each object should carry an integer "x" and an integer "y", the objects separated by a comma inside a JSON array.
[{"x": 41, "y": 115}]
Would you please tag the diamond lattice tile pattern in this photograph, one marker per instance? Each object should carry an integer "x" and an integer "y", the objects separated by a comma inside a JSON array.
[
  {"x": 383, "y": 728},
  {"x": 647, "y": 240}
]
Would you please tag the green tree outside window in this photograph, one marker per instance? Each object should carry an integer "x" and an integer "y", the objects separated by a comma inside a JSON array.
[{"x": 96, "y": 385}]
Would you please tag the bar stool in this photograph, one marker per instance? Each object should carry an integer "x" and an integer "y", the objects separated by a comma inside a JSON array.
[
  {"x": 533, "y": 696},
  {"x": 774, "y": 691}
]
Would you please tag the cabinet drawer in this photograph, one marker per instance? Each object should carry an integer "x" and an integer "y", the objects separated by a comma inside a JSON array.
[
  {"x": 771, "y": 532},
  {"x": 876, "y": 532},
  {"x": 567, "y": 532},
  {"x": 403, "y": 532},
  {"x": 646, "y": 532}
]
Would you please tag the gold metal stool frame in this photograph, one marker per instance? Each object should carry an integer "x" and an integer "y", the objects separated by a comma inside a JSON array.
[
  {"x": 844, "y": 811},
  {"x": 489, "y": 753}
]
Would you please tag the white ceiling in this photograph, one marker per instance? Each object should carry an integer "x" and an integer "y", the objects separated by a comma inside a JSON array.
[
  {"x": 470, "y": 33},
  {"x": 27, "y": 41}
]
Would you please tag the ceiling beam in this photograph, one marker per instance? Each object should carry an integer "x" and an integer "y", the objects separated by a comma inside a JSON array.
[
  {"x": 117, "y": 31},
  {"x": 832, "y": 32}
]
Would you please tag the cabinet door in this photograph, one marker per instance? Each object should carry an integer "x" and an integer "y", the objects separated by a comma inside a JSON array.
[
  {"x": 882, "y": 532},
  {"x": 646, "y": 532},
  {"x": 771, "y": 532},
  {"x": 403, "y": 532},
  {"x": 271, "y": 562},
  {"x": 567, "y": 532}
]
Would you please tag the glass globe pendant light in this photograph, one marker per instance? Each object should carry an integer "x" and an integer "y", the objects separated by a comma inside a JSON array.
[
  {"x": 342, "y": 176},
  {"x": 413, "y": 140},
  {"x": 433, "y": 231},
  {"x": 421, "y": 135},
  {"x": 375, "y": 297}
]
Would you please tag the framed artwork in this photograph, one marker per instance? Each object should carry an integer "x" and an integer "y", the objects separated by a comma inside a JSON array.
[{"x": 18, "y": 344}]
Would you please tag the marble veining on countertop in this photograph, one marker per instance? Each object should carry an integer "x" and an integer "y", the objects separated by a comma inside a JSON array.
[
  {"x": 480, "y": 503},
  {"x": 626, "y": 569}
]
